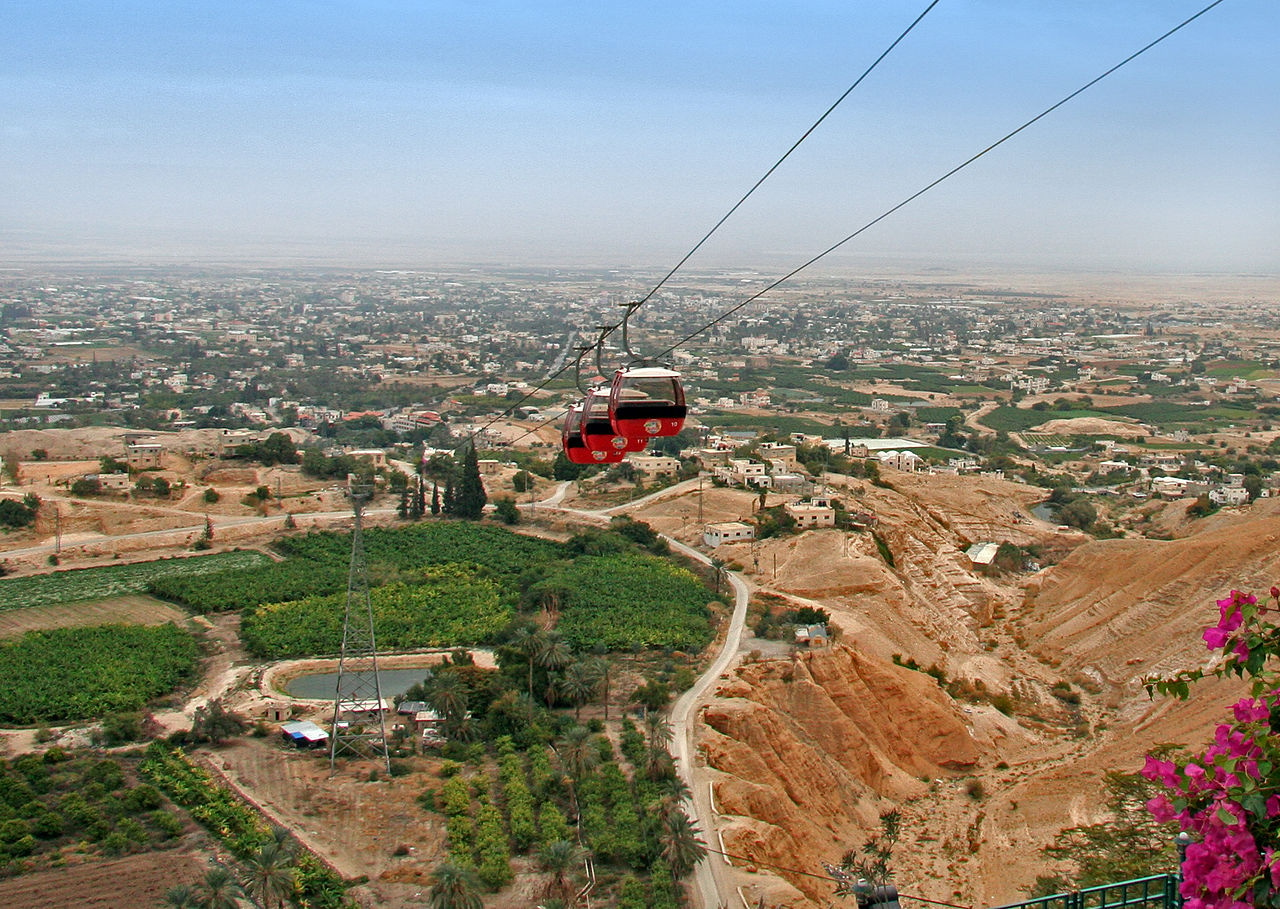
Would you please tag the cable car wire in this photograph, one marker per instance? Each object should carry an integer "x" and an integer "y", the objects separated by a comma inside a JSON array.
[
  {"x": 955, "y": 170},
  {"x": 609, "y": 329},
  {"x": 882, "y": 216},
  {"x": 707, "y": 236}
]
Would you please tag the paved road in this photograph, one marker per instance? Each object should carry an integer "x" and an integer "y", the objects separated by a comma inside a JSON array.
[
  {"x": 711, "y": 876},
  {"x": 218, "y": 521}
]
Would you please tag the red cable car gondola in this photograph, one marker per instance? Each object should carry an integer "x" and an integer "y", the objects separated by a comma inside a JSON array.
[
  {"x": 598, "y": 433},
  {"x": 646, "y": 401},
  {"x": 575, "y": 449}
]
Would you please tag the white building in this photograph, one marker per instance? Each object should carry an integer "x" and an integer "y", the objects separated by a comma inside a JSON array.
[
  {"x": 727, "y": 532},
  {"x": 817, "y": 512}
]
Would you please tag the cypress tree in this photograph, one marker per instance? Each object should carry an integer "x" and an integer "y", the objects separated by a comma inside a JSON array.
[
  {"x": 435, "y": 499},
  {"x": 470, "y": 497}
]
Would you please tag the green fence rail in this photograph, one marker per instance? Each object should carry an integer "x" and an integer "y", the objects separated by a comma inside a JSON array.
[{"x": 1159, "y": 891}]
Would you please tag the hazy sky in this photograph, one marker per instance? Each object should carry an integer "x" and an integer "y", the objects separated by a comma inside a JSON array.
[{"x": 617, "y": 132}]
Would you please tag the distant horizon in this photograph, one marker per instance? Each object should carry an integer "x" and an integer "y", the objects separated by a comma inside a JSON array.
[{"x": 603, "y": 133}]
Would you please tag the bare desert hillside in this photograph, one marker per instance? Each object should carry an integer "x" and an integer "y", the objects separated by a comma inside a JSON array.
[{"x": 806, "y": 749}]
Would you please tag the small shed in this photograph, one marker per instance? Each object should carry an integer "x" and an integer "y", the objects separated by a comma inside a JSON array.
[
  {"x": 276, "y": 712},
  {"x": 812, "y": 636},
  {"x": 304, "y": 734},
  {"x": 982, "y": 555}
]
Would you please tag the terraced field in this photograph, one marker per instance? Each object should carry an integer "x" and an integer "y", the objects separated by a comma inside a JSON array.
[{"x": 131, "y": 610}]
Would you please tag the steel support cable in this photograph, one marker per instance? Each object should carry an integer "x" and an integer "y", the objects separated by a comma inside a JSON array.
[
  {"x": 767, "y": 174},
  {"x": 826, "y": 252},
  {"x": 707, "y": 236},
  {"x": 955, "y": 170}
]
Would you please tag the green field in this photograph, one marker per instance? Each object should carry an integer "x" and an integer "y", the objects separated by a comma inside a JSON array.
[
  {"x": 452, "y": 605},
  {"x": 82, "y": 584},
  {"x": 1161, "y": 413},
  {"x": 73, "y": 674},
  {"x": 625, "y": 601}
]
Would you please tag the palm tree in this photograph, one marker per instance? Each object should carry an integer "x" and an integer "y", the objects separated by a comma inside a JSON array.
[
  {"x": 272, "y": 876},
  {"x": 529, "y": 642},
  {"x": 183, "y": 896},
  {"x": 681, "y": 846},
  {"x": 447, "y": 696},
  {"x": 554, "y": 654},
  {"x": 559, "y": 859},
  {"x": 578, "y": 753},
  {"x": 453, "y": 888},
  {"x": 219, "y": 889},
  {"x": 579, "y": 683},
  {"x": 660, "y": 765},
  {"x": 600, "y": 667}
]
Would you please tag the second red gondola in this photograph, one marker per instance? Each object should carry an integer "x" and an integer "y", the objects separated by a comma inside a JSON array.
[{"x": 646, "y": 401}]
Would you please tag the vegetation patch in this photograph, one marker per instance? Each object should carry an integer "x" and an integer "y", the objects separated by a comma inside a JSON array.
[
  {"x": 448, "y": 605},
  {"x": 625, "y": 601},
  {"x": 428, "y": 543},
  {"x": 237, "y": 588},
  {"x": 56, "y": 803},
  {"x": 73, "y": 674},
  {"x": 81, "y": 584}
]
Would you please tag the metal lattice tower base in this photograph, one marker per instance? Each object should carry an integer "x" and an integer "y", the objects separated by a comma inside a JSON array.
[{"x": 359, "y": 724}]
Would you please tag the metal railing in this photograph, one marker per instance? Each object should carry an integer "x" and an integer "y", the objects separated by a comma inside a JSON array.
[{"x": 1160, "y": 891}]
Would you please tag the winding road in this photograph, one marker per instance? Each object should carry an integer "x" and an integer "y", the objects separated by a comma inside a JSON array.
[{"x": 711, "y": 877}]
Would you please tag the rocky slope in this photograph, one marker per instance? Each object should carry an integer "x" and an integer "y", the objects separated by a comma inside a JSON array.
[{"x": 806, "y": 751}]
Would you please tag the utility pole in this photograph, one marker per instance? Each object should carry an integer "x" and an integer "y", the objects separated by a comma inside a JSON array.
[
  {"x": 57, "y": 529},
  {"x": 699, "y": 500}
]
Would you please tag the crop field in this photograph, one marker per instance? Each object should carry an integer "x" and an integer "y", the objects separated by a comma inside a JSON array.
[
  {"x": 1160, "y": 412},
  {"x": 130, "y": 610},
  {"x": 81, "y": 584},
  {"x": 72, "y": 674},
  {"x": 428, "y": 543},
  {"x": 625, "y": 601},
  {"x": 239, "y": 588},
  {"x": 454, "y": 605}
]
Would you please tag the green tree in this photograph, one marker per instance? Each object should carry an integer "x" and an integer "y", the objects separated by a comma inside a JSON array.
[
  {"x": 219, "y": 889},
  {"x": 580, "y": 683},
  {"x": 1130, "y": 844},
  {"x": 453, "y": 887},
  {"x": 682, "y": 848},
  {"x": 506, "y": 510},
  {"x": 272, "y": 875},
  {"x": 871, "y": 862},
  {"x": 559, "y": 860},
  {"x": 182, "y": 896},
  {"x": 469, "y": 496},
  {"x": 86, "y": 486},
  {"x": 215, "y": 724},
  {"x": 653, "y": 695}
]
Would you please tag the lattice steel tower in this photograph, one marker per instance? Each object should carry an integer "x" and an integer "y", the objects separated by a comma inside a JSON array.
[{"x": 359, "y": 726}]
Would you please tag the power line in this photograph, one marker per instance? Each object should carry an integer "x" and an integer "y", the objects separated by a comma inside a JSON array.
[
  {"x": 955, "y": 170},
  {"x": 874, "y": 221},
  {"x": 608, "y": 330},
  {"x": 707, "y": 236}
]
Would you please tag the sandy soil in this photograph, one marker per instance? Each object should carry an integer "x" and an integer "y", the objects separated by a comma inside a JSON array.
[
  {"x": 124, "y": 883},
  {"x": 134, "y": 610}
]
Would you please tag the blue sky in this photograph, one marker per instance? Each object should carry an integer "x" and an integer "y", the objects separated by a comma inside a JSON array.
[{"x": 617, "y": 133}]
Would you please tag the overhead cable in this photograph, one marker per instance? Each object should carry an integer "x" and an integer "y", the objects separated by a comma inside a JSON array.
[{"x": 955, "y": 170}]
